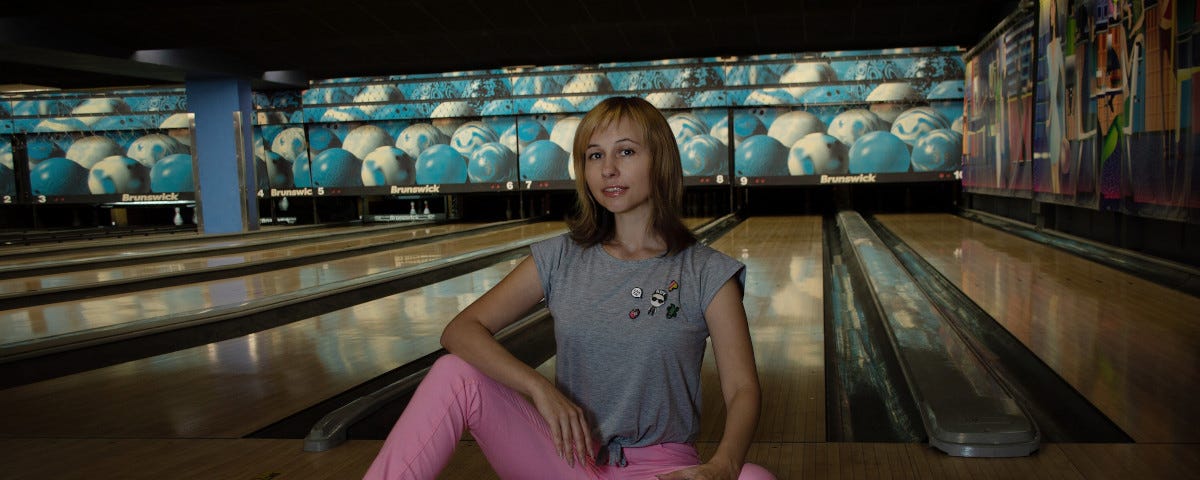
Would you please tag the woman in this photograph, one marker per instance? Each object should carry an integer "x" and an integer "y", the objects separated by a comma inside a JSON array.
[{"x": 634, "y": 297}]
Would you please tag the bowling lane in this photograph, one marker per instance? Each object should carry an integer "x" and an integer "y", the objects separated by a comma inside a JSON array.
[
  {"x": 1130, "y": 346},
  {"x": 784, "y": 306},
  {"x": 234, "y": 387},
  {"x": 316, "y": 246},
  {"x": 153, "y": 306},
  {"x": 114, "y": 250}
]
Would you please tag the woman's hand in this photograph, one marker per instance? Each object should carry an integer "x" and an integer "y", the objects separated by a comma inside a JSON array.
[
  {"x": 707, "y": 471},
  {"x": 568, "y": 424}
]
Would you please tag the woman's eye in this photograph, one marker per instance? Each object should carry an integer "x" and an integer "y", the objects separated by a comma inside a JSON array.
[
  {"x": 626, "y": 152},
  {"x": 593, "y": 156}
]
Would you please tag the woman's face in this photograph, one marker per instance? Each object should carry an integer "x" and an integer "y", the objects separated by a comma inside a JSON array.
[{"x": 617, "y": 168}]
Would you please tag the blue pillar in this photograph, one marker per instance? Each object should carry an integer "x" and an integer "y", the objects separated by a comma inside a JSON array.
[{"x": 225, "y": 190}]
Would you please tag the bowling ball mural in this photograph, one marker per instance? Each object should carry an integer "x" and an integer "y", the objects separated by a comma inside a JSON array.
[
  {"x": 107, "y": 165},
  {"x": 396, "y": 157}
]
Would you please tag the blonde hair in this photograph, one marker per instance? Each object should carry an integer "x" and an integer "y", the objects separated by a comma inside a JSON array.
[{"x": 593, "y": 224}]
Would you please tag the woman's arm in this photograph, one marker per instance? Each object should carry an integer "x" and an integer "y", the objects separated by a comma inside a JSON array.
[
  {"x": 471, "y": 337},
  {"x": 734, "y": 354}
]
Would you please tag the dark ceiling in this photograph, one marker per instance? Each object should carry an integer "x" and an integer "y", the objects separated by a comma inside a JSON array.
[{"x": 135, "y": 42}]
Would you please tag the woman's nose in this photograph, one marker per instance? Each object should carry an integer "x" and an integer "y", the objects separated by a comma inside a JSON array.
[{"x": 608, "y": 169}]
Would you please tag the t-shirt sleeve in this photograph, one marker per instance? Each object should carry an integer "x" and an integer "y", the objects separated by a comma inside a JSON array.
[
  {"x": 715, "y": 269},
  {"x": 547, "y": 256}
]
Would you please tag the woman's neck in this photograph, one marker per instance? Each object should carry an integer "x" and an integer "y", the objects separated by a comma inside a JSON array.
[{"x": 635, "y": 239}]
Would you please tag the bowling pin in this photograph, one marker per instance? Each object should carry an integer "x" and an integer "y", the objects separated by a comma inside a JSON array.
[
  {"x": 412, "y": 208},
  {"x": 178, "y": 217},
  {"x": 283, "y": 204},
  {"x": 426, "y": 207}
]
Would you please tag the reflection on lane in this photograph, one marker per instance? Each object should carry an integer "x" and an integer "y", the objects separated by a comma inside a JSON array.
[
  {"x": 71, "y": 317},
  {"x": 149, "y": 269},
  {"x": 1130, "y": 346},
  {"x": 233, "y": 387}
]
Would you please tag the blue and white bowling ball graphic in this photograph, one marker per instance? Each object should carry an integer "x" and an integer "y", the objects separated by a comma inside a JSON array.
[
  {"x": 750, "y": 75},
  {"x": 523, "y": 133},
  {"x": 849, "y": 125},
  {"x": 336, "y": 167},
  {"x": 947, "y": 98},
  {"x": 588, "y": 82},
  {"x": 278, "y": 169},
  {"x": 117, "y": 174},
  {"x": 149, "y": 148},
  {"x": 89, "y": 151},
  {"x": 947, "y": 90},
  {"x": 685, "y": 126},
  {"x": 487, "y": 88},
  {"x": 388, "y": 166},
  {"x": 563, "y": 133},
  {"x": 792, "y": 126},
  {"x": 937, "y": 151},
  {"x": 666, "y": 100},
  {"x": 544, "y": 160},
  {"x": 123, "y": 122},
  {"x": 879, "y": 152},
  {"x": 441, "y": 164},
  {"x": 448, "y": 116},
  {"x": 769, "y": 97},
  {"x": 818, "y": 153},
  {"x": 711, "y": 98},
  {"x": 492, "y": 162},
  {"x": 58, "y": 176},
  {"x": 916, "y": 122},
  {"x": 760, "y": 156},
  {"x": 345, "y": 113},
  {"x": 93, "y": 109},
  {"x": 178, "y": 120},
  {"x": 552, "y": 105},
  {"x": 70, "y": 124},
  {"x": 41, "y": 148},
  {"x": 418, "y": 137},
  {"x": 328, "y": 95},
  {"x": 173, "y": 173},
  {"x": 470, "y": 136},
  {"x": 640, "y": 80},
  {"x": 365, "y": 139},
  {"x": 537, "y": 85},
  {"x": 302, "y": 171},
  {"x": 321, "y": 139},
  {"x": 697, "y": 77},
  {"x": 39, "y": 108},
  {"x": 8, "y": 180},
  {"x": 807, "y": 75},
  {"x": 703, "y": 155},
  {"x": 873, "y": 70},
  {"x": 745, "y": 125},
  {"x": 290, "y": 143},
  {"x": 889, "y": 99}
]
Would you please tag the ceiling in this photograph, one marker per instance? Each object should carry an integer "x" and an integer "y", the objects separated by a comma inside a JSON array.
[{"x": 284, "y": 44}]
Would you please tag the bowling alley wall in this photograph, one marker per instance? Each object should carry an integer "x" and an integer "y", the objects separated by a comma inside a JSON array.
[
  {"x": 1093, "y": 105},
  {"x": 788, "y": 119}
]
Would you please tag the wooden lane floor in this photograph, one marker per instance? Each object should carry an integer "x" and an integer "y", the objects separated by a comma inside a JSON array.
[
  {"x": 84, "y": 278},
  {"x": 73, "y": 249},
  {"x": 232, "y": 388},
  {"x": 262, "y": 459},
  {"x": 784, "y": 306},
  {"x": 1130, "y": 346},
  {"x": 65, "y": 318}
]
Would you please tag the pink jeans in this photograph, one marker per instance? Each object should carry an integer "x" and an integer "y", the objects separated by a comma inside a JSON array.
[{"x": 510, "y": 431}]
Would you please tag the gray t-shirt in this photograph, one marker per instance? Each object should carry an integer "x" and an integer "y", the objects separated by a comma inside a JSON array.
[{"x": 631, "y": 336}]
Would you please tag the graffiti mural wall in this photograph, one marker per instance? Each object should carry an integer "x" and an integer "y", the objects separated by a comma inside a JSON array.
[{"x": 1116, "y": 117}]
